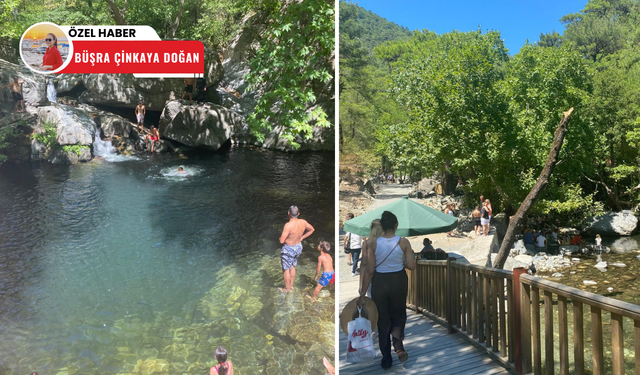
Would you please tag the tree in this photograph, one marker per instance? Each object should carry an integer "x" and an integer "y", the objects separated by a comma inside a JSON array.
[{"x": 293, "y": 64}]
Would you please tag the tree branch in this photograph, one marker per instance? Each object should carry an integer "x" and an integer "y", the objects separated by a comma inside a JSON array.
[
  {"x": 116, "y": 13},
  {"x": 535, "y": 192}
]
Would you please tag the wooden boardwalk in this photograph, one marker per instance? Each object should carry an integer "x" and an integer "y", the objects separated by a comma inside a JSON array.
[{"x": 431, "y": 349}]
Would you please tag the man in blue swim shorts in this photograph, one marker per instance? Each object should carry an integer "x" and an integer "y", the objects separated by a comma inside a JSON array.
[
  {"x": 325, "y": 262},
  {"x": 293, "y": 233}
]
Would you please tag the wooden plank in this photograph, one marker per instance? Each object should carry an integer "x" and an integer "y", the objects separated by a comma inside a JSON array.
[
  {"x": 548, "y": 333},
  {"x": 464, "y": 300},
  {"x": 578, "y": 338},
  {"x": 535, "y": 321},
  {"x": 526, "y": 327},
  {"x": 617, "y": 344},
  {"x": 625, "y": 309},
  {"x": 503, "y": 318},
  {"x": 494, "y": 313},
  {"x": 636, "y": 331},
  {"x": 493, "y": 272},
  {"x": 511, "y": 314},
  {"x": 487, "y": 310},
  {"x": 474, "y": 304},
  {"x": 469, "y": 301},
  {"x": 563, "y": 330},
  {"x": 596, "y": 340},
  {"x": 481, "y": 312}
]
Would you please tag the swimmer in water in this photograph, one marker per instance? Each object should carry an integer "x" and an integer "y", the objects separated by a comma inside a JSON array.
[{"x": 181, "y": 170}]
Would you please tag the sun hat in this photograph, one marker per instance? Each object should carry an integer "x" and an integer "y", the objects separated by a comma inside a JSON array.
[{"x": 350, "y": 312}]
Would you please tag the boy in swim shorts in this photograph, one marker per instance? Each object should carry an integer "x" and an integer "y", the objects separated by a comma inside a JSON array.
[
  {"x": 326, "y": 263},
  {"x": 140, "y": 112}
]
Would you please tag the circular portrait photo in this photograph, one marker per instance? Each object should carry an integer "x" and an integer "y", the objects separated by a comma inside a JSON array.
[{"x": 45, "y": 48}]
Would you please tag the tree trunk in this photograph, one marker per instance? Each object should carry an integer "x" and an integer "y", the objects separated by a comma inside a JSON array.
[
  {"x": 116, "y": 13},
  {"x": 448, "y": 183},
  {"x": 173, "y": 27},
  {"x": 535, "y": 192}
]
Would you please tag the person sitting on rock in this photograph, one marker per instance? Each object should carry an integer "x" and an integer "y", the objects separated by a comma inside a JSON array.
[
  {"x": 153, "y": 136},
  {"x": 188, "y": 88},
  {"x": 224, "y": 366},
  {"x": 325, "y": 262}
]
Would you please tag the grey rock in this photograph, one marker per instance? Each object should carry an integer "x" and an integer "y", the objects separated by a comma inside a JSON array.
[
  {"x": 73, "y": 125},
  {"x": 621, "y": 223},
  {"x": 205, "y": 127},
  {"x": 33, "y": 89}
]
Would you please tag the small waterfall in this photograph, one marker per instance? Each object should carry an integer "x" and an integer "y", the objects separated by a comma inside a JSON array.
[
  {"x": 52, "y": 95},
  {"x": 105, "y": 149}
]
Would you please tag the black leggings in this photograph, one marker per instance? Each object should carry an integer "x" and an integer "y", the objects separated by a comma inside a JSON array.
[{"x": 389, "y": 292}]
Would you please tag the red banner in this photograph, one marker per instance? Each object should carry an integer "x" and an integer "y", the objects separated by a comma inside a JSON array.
[{"x": 138, "y": 57}]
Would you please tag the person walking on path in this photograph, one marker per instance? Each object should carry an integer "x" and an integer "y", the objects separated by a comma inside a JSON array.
[
  {"x": 293, "y": 233},
  {"x": 16, "y": 92},
  {"x": 355, "y": 247},
  {"x": 375, "y": 232},
  {"x": 388, "y": 257}
]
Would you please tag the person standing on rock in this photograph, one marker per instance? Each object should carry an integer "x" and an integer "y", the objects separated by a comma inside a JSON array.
[
  {"x": 188, "y": 88},
  {"x": 15, "y": 90},
  {"x": 140, "y": 111},
  {"x": 477, "y": 224},
  {"x": 201, "y": 90},
  {"x": 293, "y": 233}
]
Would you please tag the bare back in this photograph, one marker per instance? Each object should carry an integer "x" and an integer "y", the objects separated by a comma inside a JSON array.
[
  {"x": 326, "y": 261},
  {"x": 295, "y": 231}
]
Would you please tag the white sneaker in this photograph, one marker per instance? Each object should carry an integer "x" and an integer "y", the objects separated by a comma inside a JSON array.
[{"x": 354, "y": 274}]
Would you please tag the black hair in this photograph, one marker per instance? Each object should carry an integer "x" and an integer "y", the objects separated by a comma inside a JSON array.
[
  {"x": 350, "y": 215},
  {"x": 426, "y": 241},
  {"x": 221, "y": 357},
  {"x": 55, "y": 39},
  {"x": 294, "y": 211},
  {"x": 325, "y": 246},
  {"x": 388, "y": 220}
]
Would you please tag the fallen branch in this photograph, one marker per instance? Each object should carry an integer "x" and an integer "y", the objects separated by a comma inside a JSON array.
[{"x": 535, "y": 192}]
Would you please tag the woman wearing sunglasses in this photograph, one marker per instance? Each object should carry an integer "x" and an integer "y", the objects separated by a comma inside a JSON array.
[{"x": 51, "y": 59}]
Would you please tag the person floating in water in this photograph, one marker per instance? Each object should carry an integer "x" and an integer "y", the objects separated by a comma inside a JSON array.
[
  {"x": 326, "y": 263},
  {"x": 15, "y": 90},
  {"x": 188, "y": 88},
  {"x": 140, "y": 113},
  {"x": 153, "y": 136},
  {"x": 293, "y": 233},
  {"x": 224, "y": 367},
  {"x": 181, "y": 170}
]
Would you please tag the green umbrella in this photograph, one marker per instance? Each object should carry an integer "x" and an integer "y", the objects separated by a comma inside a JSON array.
[{"x": 414, "y": 219}]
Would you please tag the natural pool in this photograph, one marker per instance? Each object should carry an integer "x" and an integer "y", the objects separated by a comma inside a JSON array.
[{"x": 126, "y": 267}]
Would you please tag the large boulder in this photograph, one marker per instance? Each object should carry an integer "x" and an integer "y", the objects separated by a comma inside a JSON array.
[
  {"x": 18, "y": 136},
  {"x": 121, "y": 90},
  {"x": 73, "y": 126},
  {"x": 206, "y": 127},
  {"x": 111, "y": 125},
  {"x": 622, "y": 223},
  {"x": 33, "y": 89}
]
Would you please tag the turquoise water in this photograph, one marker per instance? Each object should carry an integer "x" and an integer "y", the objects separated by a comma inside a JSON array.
[{"x": 129, "y": 267}]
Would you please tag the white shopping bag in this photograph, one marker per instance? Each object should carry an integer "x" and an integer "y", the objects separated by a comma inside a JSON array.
[{"x": 360, "y": 347}]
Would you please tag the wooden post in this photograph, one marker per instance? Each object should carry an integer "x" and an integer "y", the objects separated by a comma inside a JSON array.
[
  {"x": 518, "y": 318},
  {"x": 487, "y": 310},
  {"x": 563, "y": 330},
  {"x": 535, "y": 319},
  {"x": 578, "y": 338},
  {"x": 598, "y": 350},
  {"x": 414, "y": 284},
  {"x": 450, "y": 297},
  {"x": 503, "y": 319},
  {"x": 526, "y": 327},
  {"x": 480, "y": 312},
  {"x": 548, "y": 332},
  {"x": 636, "y": 330},
  {"x": 617, "y": 344},
  {"x": 512, "y": 324},
  {"x": 494, "y": 313},
  {"x": 474, "y": 304}
]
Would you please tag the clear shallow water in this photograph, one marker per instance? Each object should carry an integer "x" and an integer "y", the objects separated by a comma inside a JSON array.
[{"x": 110, "y": 268}]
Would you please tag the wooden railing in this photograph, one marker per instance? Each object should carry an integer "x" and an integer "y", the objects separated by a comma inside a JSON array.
[{"x": 500, "y": 310}]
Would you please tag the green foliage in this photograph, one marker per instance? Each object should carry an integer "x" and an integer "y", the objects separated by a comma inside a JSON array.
[
  {"x": 292, "y": 64},
  {"x": 369, "y": 28},
  {"x": 76, "y": 149},
  {"x": 49, "y": 136}
]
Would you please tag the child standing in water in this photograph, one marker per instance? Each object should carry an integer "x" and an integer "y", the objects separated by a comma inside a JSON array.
[
  {"x": 223, "y": 367},
  {"x": 326, "y": 263}
]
